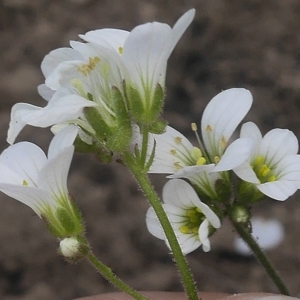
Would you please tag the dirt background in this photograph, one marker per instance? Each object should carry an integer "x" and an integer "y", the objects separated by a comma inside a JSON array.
[{"x": 252, "y": 44}]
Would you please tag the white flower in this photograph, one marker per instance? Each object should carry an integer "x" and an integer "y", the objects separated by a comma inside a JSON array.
[
  {"x": 36, "y": 180},
  {"x": 190, "y": 218},
  {"x": 174, "y": 152},
  {"x": 268, "y": 234},
  {"x": 102, "y": 73},
  {"x": 273, "y": 165}
]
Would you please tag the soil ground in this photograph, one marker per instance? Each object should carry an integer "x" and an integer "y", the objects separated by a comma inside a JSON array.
[{"x": 252, "y": 44}]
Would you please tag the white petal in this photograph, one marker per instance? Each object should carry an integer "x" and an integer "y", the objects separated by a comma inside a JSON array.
[
  {"x": 289, "y": 169},
  {"x": 188, "y": 242},
  {"x": 250, "y": 130},
  {"x": 56, "y": 111},
  {"x": 211, "y": 217},
  {"x": 203, "y": 233},
  {"x": 63, "y": 74},
  {"x": 16, "y": 123},
  {"x": 179, "y": 193},
  {"x": 277, "y": 144},
  {"x": 181, "y": 25},
  {"x": 25, "y": 159},
  {"x": 146, "y": 52},
  {"x": 53, "y": 177},
  {"x": 192, "y": 171},
  {"x": 35, "y": 198},
  {"x": 246, "y": 173},
  {"x": 221, "y": 117},
  {"x": 165, "y": 161},
  {"x": 56, "y": 57},
  {"x": 278, "y": 190},
  {"x": 45, "y": 92},
  {"x": 63, "y": 139},
  {"x": 153, "y": 224},
  {"x": 107, "y": 37},
  {"x": 236, "y": 154}
]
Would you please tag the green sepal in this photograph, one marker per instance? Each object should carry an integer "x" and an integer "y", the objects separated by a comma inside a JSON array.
[
  {"x": 113, "y": 133},
  {"x": 223, "y": 190},
  {"x": 248, "y": 193},
  {"x": 96, "y": 121},
  {"x": 65, "y": 221},
  {"x": 158, "y": 127},
  {"x": 146, "y": 111},
  {"x": 121, "y": 132}
]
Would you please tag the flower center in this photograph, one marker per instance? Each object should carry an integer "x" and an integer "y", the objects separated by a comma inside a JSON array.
[
  {"x": 194, "y": 218},
  {"x": 263, "y": 172}
]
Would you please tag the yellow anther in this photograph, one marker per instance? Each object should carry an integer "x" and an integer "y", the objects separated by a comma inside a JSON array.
[
  {"x": 272, "y": 178},
  {"x": 177, "y": 166},
  {"x": 264, "y": 171},
  {"x": 191, "y": 212},
  {"x": 121, "y": 50},
  {"x": 217, "y": 159},
  {"x": 25, "y": 183},
  {"x": 196, "y": 153},
  {"x": 194, "y": 127},
  {"x": 259, "y": 160},
  {"x": 184, "y": 229},
  {"x": 209, "y": 128},
  {"x": 223, "y": 142},
  {"x": 178, "y": 140},
  {"x": 201, "y": 161},
  {"x": 173, "y": 151},
  {"x": 85, "y": 69}
]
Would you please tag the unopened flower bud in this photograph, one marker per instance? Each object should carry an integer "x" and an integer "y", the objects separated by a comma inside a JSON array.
[
  {"x": 70, "y": 248},
  {"x": 240, "y": 214}
]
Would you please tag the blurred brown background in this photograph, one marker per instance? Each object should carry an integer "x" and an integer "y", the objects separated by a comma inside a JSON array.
[{"x": 252, "y": 44}]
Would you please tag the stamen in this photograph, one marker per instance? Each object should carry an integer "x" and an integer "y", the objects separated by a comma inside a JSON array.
[
  {"x": 201, "y": 161},
  {"x": 121, "y": 50},
  {"x": 178, "y": 140},
  {"x": 217, "y": 159},
  {"x": 184, "y": 229},
  {"x": 223, "y": 142},
  {"x": 209, "y": 128},
  {"x": 24, "y": 183},
  {"x": 173, "y": 151}
]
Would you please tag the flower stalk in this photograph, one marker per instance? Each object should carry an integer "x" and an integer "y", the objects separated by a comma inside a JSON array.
[
  {"x": 260, "y": 255},
  {"x": 181, "y": 262}
]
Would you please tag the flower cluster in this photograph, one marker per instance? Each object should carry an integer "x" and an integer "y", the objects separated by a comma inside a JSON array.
[
  {"x": 105, "y": 95},
  {"x": 252, "y": 165}
]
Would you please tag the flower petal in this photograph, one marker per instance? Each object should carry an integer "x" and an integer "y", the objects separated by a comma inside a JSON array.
[
  {"x": 277, "y": 144},
  {"x": 246, "y": 173},
  {"x": 53, "y": 177},
  {"x": 236, "y": 154},
  {"x": 56, "y": 57},
  {"x": 221, "y": 117},
  {"x": 203, "y": 233},
  {"x": 35, "y": 198},
  {"x": 63, "y": 139},
  {"x": 278, "y": 190},
  {"x": 153, "y": 224},
  {"x": 57, "y": 111},
  {"x": 24, "y": 159},
  {"x": 165, "y": 161}
]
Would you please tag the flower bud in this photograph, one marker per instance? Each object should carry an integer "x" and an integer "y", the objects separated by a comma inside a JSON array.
[
  {"x": 70, "y": 248},
  {"x": 240, "y": 214}
]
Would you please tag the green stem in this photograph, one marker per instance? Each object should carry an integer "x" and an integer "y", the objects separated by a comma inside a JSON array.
[
  {"x": 108, "y": 274},
  {"x": 260, "y": 255},
  {"x": 145, "y": 184}
]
